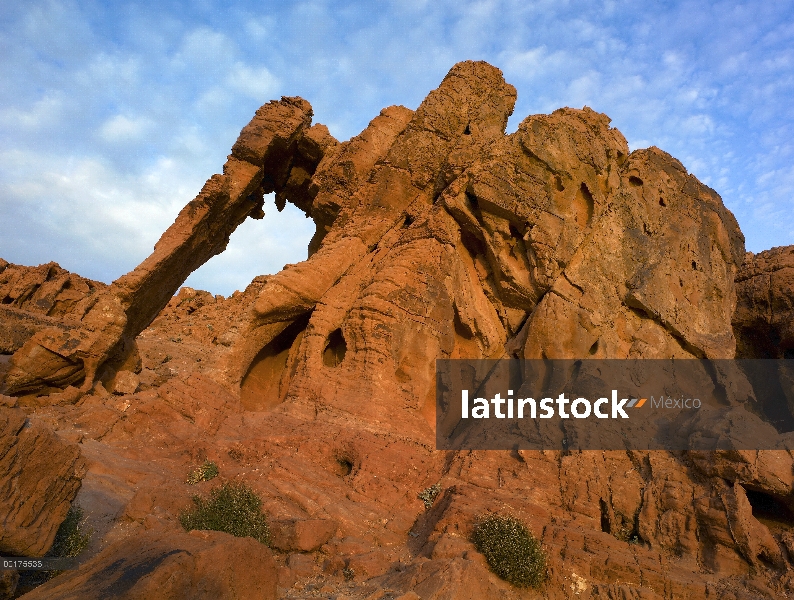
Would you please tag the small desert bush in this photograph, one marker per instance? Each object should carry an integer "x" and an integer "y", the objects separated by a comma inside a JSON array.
[
  {"x": 511, "y": 550},
  {"x": 429, "y": 495},
  {"x": 207, "y": 471},
  {"x": 232, "y": 508}
]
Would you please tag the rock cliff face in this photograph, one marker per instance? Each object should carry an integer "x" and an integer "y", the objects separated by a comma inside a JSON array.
[
  {"x": 437, "y": 236},
  {"x": 764, "y": 318}
]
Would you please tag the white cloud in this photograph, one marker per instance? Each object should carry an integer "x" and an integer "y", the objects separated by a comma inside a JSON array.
[
  {"x": 259, "y": 27},
  {"x": 42, "y": 114},
  {"x": 256, "y": 82},
  {"x": 122, "y": 128},
  {"x": 206, "y": 50}
]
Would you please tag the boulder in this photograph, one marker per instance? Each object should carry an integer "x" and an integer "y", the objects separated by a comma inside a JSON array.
[{"x": 36, "y": 298}]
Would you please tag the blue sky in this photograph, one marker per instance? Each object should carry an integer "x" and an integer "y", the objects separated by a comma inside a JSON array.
[{"x": 112, "y": 115}]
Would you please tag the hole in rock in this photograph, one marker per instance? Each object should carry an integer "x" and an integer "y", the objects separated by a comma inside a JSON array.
[
  {"x": 335, "y": 349},
  {"x": 408, "y": 220},
  {"x": 256, "y": 247},
  {"x": 475, "y": 205},
  {"x": 661, "y": 202},
  {"x": 467, "y": 131},
  {"x": 558, "y": 183},
  {"x": 345, "y": 466},
  {"x": 516, "y": 233},
  {"x": 8, "y": 300},
  {"x": 593, "y": 348},
  {"x": 461, "y": 329},
  {"x": 694, "y": 265},
  {"x": 635, "y": 181},
  {"x": 474, "y": 246},
  {"x": 770, "y": 510},
  {"x": 605, "y": 526},
  {"x": 260, "y": 389}
]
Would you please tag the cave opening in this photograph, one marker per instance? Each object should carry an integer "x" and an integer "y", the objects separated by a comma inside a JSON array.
[
  {"x": 264, "y": 385},
  {"x": 769, "y": 509},
  {"x": 335, "y": 349}
]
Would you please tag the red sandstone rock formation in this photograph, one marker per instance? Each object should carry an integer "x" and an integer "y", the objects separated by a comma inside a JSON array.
[
  {"x": 201, "y": 565},
  {"x": 437, "y": 236},
  {"x": 266, "y": 157},
  {"x": 34, "y": 298}
]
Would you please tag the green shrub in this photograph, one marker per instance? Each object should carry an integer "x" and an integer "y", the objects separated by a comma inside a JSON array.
[
  {"x": 232, "y": 508},
  {"x": 73, "y": 535},
  {"x": 209, "y": 470},
  {"x": 428, "y": 496},
  {"x": 511, "y": 550}
]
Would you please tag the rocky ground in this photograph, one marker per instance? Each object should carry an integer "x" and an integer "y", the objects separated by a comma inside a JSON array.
[{"x": 437, "y": 236}]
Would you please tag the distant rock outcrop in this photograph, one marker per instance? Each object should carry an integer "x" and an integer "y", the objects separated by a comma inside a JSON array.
[{"x": 438, "y": 236}]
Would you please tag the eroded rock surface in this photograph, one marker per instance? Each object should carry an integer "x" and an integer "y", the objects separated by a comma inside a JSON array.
[
  {"x": 439, "y": 236},
  {"x": 39, "y": 477},
  {"x": 34, "y": 298},
  {"x": 764, "y": 318}
]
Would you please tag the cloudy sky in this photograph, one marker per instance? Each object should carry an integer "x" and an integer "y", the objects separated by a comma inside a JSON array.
[{"x": 113, "y": 114}]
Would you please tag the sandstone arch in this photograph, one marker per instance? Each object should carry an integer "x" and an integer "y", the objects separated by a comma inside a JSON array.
[{"x": 277, "y": 151}]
